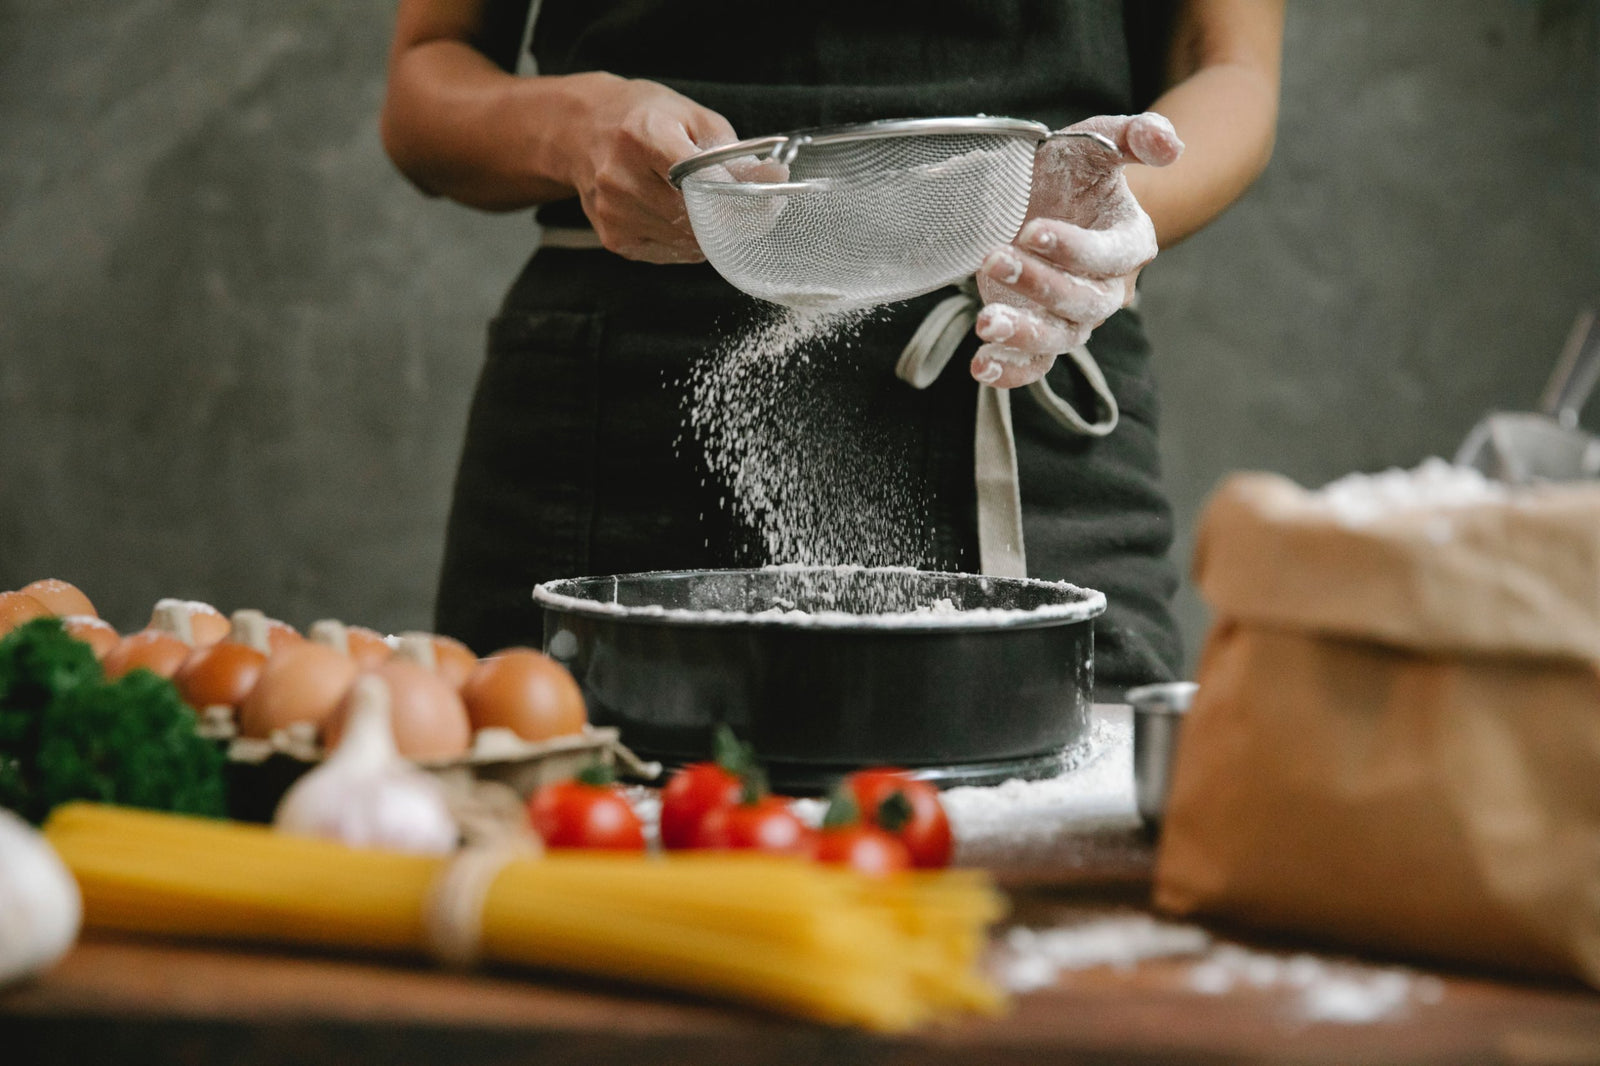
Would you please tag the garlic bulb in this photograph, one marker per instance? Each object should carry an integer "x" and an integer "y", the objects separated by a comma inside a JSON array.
[
  {"x": 40, "y": 908},
  {"x": 364, "y": 794}
]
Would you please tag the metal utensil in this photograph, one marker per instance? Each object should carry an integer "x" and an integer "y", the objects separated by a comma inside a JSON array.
[
  {"x": 1520, "y": 446},
  {"x": 848, "y": 217},
  {"x": 1158, "y": 713}
]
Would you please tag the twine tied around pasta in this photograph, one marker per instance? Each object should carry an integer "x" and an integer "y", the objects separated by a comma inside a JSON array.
[{"x": 452, "y": 916}]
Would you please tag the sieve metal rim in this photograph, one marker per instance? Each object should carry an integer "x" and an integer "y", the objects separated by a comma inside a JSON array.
[{"x": 784, "y": 146}]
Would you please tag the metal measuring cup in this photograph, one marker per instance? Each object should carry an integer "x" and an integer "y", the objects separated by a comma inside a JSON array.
[{"x": 1158, "y": 713}]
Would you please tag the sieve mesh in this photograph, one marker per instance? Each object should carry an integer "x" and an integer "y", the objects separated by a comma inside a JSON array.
[{"x": 862, "y": 221}]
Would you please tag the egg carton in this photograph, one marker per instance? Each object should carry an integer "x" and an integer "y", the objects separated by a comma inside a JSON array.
[{"x": 260, "y": 770}]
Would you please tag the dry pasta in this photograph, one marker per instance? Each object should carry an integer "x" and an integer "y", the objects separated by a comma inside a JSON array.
[{"x": 818, "y": 942}]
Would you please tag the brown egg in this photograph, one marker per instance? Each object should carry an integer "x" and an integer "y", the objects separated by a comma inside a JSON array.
[
  {"x": 17, "y": 608},
  {"x": 60, "y": 597},
  {"x": 221, "y": 674},
  {"x": 210, "y": 625},
  {"x": 95, "y": 632},
  {"x": 367, "y": 647},
  {"x": 526, "y": 692},
  {"x": 282, "y": 635},
  {"x": 429, "y": 720},
  {"x": 302, "y": 683},
  {"x": 152, "y": 649},
  {"x": 453, "y": 660}
]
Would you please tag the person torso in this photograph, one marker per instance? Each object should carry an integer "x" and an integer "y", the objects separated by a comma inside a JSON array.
[{"x": 771, "y": 68}]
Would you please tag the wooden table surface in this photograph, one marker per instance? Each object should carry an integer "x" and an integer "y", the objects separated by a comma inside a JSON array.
[{"x": 129, "y": 1001}]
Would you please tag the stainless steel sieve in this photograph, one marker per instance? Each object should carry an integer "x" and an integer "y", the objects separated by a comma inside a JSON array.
[{"x": 848, "y": 217}]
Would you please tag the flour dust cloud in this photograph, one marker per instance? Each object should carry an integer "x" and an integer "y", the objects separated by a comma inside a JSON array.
[{"x": 802, "y": 463}]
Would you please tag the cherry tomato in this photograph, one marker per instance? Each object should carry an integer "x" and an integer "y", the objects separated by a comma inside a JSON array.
[
  {"x": 864, "y": 848},
  {"x": 572, "y": 814},
  {"x": 694, "y": 792},
  {"x": 766, "y": 825},
  {"x": 926, "y": 832}
]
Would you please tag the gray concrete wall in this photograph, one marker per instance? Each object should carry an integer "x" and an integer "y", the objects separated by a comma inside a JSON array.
[
  {"x": 236, "y": 348},
  {"x": 1414, "y": 256}
]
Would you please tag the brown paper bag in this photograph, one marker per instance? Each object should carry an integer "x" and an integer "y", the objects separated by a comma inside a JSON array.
[{"x": 1396, "y": 740}]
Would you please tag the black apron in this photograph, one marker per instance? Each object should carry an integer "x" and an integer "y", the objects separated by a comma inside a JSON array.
[{"x": 577, "y": 460}]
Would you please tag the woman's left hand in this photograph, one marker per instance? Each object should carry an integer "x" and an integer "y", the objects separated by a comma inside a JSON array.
[{"x": 1075, "y": 261}]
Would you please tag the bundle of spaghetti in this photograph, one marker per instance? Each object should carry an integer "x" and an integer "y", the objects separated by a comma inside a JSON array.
[{"x": 785, "y": 934}]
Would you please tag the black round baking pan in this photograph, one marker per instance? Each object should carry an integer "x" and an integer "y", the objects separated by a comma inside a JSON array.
[{"x": 963, "y": 678}]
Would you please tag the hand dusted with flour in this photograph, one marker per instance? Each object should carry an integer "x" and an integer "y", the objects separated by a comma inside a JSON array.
[{"x": 1074, "y": 263}]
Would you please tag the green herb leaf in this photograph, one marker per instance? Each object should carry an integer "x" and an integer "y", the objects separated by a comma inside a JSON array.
[
  {"x": 38, "y": 663},
  {"x": 132, "y": 742},
  {"x": 842, "y": 811},
  {"x": 755, "y": 784},
  {"x": 67, "y": 734},
  {"x": 731, "y": 753}
]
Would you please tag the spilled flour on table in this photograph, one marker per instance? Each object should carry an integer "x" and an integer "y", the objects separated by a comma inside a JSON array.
[
  {"x": 1084, "y": 817},
  {"x": 1331, "y": 991},
  {"x": 815, "y": 482},
  {"x": 1322, "y": 990},
  {"x": 1030, "y": 959}
]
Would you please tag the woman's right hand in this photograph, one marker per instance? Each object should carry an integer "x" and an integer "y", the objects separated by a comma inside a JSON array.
[{"x": 628, "y": 134}]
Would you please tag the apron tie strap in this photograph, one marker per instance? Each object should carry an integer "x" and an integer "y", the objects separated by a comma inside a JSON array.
[{"x": 1001, "y": 552}]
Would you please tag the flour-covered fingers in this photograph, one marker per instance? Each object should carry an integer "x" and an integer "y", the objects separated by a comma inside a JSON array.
[
  {"x": 1111, "y": 252},
  {"x": 1089, "y": 300},
  {"x": 1027, "y": 330},
  {"x": 1147, "y": 138},
  {"x": 1151, "y": 140},
  {"x": 1009, "y": 368}
]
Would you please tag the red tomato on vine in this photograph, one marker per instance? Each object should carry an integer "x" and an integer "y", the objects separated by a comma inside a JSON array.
[
  {"x": 694, "y": 792},
  {"x": 765, "y": 824},
  {"x": 587, "y": 812},
  {"x": 907, "y": 808},
  {"x": 701, "y": 787}
]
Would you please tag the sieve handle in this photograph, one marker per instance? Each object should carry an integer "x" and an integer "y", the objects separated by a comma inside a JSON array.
[
  {"x": 756, "y": 146},
  {"x": 785, "y": 152},
  {"x": 1105, "y": 142}
]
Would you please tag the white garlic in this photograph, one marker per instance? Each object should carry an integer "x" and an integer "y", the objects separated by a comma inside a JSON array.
[
  {"x": 364, "y": 794},
  {"x": 40, "y": 908}
]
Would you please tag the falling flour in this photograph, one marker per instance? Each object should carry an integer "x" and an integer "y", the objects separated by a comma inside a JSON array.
[{"x": 811, "y": 475}]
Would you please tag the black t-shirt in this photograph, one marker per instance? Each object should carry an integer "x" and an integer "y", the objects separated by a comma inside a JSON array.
[{"x": 769, "y": 69}]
